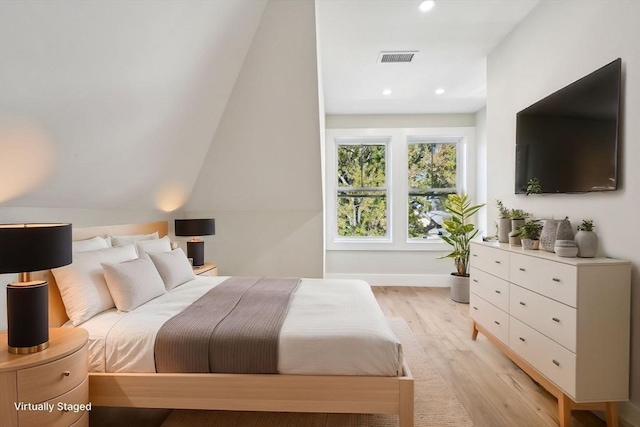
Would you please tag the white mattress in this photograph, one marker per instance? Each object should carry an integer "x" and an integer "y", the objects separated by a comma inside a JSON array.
[{"x": 333, "y": 327}]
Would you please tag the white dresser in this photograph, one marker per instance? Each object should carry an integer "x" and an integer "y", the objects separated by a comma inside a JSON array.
[{"x": 564, "y": 321}]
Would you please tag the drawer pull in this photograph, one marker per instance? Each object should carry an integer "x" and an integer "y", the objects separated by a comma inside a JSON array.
[
  {"x": 496, "y": 322},
  {"x": 475, "y": 280},
  {"x": 555, "y": 279},
  {"x": 475, "y": 308},
  {"x": 555, "y": 319},
  {"x": 522, "y": 303},
  {"x": 522, "y": 269},
  {"x": 555, "y": 362},
  {"x": 522, "y": 339},
  {"x": 66, "y": 373},
  {"x": 497, "y": 291},
  {"x": 497, "y": 262}
]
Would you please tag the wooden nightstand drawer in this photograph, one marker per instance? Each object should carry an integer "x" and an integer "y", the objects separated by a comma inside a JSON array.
[
  {"x": 58, "y": 417},
  {"x": 52, "y": 379}
]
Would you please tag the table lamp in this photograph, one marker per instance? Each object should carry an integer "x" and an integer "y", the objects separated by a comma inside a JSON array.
[
  {"x": 195, "y": 228},
  {"x": 25, "y": 248}
]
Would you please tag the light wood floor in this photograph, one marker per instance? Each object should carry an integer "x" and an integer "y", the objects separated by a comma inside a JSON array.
[{"x": 493, "y": 390}]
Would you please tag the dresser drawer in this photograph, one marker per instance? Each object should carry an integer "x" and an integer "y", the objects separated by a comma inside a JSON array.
[
  {"x": 491, "y": 260},
  {"x": 51, "y": 379},
  {"x": 58, "y": 417},
  {"x": 554, "y": 361},
  {"x": 550, "y": 278},
  {"x": 490, "y": 288},
  {"x": 553, "y": 319},
  {"x": 490, "y": 317}
]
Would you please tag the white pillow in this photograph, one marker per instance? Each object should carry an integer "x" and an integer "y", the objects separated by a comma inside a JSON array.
[
  {"x": 153, "y": 245},
  {"x": 124, "y": 240},
  {"x": 93, "y": 244},
  {"x": 174, "y": 267},
  {"x": 133, "y": 283},
  {"x": 82, "y": 285}
]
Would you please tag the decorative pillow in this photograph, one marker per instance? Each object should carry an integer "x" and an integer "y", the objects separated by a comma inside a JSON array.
[
  {"x": 124, "y": 240},
  {"x": 82, "y": 285},
  {"x": 133, "y": 283},
  {"x": 93, "y": 244},
  {"x": 174, "y": 267},
  {"x": 153, "y": 245}
]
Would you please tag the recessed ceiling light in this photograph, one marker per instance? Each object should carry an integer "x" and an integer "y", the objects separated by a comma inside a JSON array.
[
  {"x": 439, "y": 91},
  {"x": 426, "y": 5},
  {"x": 386, "y": 92}
]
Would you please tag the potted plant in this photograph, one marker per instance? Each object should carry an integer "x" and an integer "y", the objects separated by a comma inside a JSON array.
[
  {"x": 504, "y": 222},
  {"x": 517, "y": 219},
  {"x": 530, "y": 234},
  {"x": 586, "y": 239},
  {"x": 459, "y": 235}
]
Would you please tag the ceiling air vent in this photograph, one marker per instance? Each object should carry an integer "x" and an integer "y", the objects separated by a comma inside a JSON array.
[{"x": 396, "y": 57}]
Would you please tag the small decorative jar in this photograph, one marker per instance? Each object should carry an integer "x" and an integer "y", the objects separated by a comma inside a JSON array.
[{"x": 566, "y": 248}]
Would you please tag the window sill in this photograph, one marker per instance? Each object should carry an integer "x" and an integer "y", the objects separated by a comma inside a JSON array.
[{"x": 426, "y": 246}]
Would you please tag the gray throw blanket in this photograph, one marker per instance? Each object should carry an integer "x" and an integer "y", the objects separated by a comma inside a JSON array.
[{"x": 233, "y": 328}]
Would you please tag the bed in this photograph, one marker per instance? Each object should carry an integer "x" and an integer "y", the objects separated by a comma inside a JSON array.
[{"x": 291, "y": 391}]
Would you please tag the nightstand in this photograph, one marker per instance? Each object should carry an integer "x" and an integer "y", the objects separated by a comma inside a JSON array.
[
  {"x": 207, "y": 269},
  {"x": 50, "y": 378}
]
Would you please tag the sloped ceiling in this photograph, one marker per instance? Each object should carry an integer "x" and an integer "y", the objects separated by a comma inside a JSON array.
[{"x": 114, "y": 104}]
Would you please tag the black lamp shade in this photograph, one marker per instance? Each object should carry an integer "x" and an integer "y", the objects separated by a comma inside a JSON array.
[
  {"x": 195, "y": 227},
  {"x": 34, "y": 247}
]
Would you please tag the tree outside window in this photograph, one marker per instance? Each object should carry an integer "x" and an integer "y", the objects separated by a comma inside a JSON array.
[
  {"x": 362, "y": 190},
  {"x": 432, "y": 171}
]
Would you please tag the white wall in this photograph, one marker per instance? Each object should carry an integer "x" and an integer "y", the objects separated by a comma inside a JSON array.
[
  {"x": 558, "y": 43},
  {"x": 261, "y": 178},
  {"x": 481, "y": 170},
  {"x": 397, "y": 262}
]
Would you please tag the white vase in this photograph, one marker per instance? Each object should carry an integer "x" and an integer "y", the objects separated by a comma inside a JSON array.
[
  {"x": 587, "y": 242},
  {"x": 504, "y": 228}
]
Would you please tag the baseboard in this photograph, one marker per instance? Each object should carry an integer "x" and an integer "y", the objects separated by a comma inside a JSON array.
[
  {"x": 629, "y": 414},
  {"x": 416, "y": 280}
]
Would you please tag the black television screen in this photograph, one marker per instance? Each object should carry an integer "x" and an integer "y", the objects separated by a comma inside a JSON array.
[{"x": 569, "y": 140}]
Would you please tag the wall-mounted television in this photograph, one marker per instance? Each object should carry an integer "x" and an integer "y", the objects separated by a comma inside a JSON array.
[{"x": 569, "y": 140}]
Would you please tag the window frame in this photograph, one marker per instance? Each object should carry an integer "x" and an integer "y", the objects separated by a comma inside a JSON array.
[
  {"x": 397, "y": 171},
  {"x": 414, "y": 140},
  {"x": 364, "y": 140}
]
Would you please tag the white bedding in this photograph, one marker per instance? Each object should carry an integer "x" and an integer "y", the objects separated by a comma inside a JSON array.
[{"x": 333, "y": 327}]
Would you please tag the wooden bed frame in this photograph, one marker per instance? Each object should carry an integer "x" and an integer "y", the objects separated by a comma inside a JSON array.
[{"x": 237, "y": 392}]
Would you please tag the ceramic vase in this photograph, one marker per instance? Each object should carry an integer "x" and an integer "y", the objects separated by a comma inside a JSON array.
[
  {"x": 504, "y": 228},
  {"x": 564, "y": 231},
  {"x": 548, "y": 234},
  {"x": 460, "y": 288},
  {"x": 530, "y": 244},
  {"x": 587, "y": 242}
]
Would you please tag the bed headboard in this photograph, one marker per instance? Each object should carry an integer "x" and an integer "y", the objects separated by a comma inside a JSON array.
[{"x": 57, "y": 313}]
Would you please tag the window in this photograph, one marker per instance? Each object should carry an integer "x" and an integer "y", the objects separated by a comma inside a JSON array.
[
  {"x": 361, "y": 190},
  {"x": 432, "y": 173}
]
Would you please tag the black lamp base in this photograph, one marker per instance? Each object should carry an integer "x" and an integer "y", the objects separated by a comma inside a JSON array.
[
  {"x": 27, "y": 317},
  {"x": 195, "y": 250}
]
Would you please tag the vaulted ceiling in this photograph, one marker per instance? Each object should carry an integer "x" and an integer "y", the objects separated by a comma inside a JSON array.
[{"x": 114, "y": 104}]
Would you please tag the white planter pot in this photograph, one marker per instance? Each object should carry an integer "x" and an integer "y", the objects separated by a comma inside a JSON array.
[
  {"x": 587, "y": 242},
  {"x": 530, "y": 244},
  {"x": 460, "y": 289}
]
